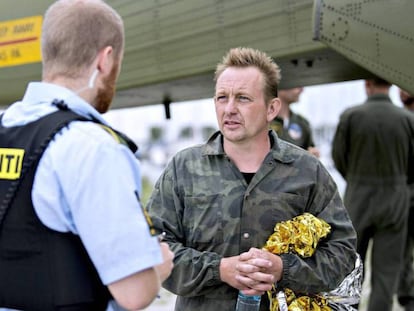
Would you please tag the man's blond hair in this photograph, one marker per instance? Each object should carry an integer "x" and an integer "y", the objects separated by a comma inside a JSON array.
[{"x": 246, "y": 57}]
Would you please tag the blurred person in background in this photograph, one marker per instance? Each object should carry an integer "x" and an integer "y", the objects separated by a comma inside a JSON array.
[
  {"x": 291, "y": 126},
  {"x": 372, "y": 148},
  {"x": 406, "y": 287},
  {"x": 407, "y": 99}
]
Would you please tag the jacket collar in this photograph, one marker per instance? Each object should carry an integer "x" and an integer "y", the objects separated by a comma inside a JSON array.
[{"x": 279, "y": 152}]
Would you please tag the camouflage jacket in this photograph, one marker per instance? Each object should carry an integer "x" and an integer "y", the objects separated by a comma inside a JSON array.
[{"x": 208, "y": 211}]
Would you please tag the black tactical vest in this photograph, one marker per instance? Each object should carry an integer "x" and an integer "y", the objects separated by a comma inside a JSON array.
[{"x": 40, "y": 269}]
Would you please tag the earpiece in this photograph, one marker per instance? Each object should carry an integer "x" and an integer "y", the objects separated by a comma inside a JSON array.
[{"x": 93, "y": 78}]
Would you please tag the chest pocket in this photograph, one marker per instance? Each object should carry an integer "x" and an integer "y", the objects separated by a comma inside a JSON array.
[
  {"x": 203, "y": 220},
  {"x": 284, "y": 207}
]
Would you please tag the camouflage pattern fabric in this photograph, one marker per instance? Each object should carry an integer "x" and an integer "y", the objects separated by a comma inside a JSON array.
[{"x": 208, "y": 211}]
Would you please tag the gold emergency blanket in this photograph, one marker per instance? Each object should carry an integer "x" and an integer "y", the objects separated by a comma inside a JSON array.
[{"x": 299, "y": 235}]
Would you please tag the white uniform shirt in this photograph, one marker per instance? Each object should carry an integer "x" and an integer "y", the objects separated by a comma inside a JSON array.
[{"x": 86, "y": 183}]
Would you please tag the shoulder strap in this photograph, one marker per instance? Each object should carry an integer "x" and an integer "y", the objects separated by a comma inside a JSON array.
[
  {"x": 120, "y": 137},
  {"x": 49, "y": 126}
]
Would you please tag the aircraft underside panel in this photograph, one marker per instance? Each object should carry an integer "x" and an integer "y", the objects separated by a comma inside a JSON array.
[{"x": 377, "y": 34}]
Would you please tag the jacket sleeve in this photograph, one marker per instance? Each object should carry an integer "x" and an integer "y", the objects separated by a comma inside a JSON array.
[
  {"x": 339, "y": 147},
  {"x": 195, "y": 273},
  {"x": 335, "y": 255}
]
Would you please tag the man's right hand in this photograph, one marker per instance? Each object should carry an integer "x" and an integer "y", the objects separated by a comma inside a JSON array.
[
  {"x": 230, "y": 274},
  {"x": 164, "y": 269},
  {"x": 254, "y": 271}
]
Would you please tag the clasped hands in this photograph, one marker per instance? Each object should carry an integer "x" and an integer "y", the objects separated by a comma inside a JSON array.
[{"x": 254, "y": 272}]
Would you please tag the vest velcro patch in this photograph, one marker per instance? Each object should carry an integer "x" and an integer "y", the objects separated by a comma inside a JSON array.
[{"x": 11, "y": 161}]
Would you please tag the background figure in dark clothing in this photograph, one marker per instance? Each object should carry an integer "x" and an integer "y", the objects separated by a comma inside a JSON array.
[
  {"x": 293, "y": 127},
  {"x": 372, "y": 147},
  {"x": 406, "y": 287},
  {"x": 407, "y": 99}
]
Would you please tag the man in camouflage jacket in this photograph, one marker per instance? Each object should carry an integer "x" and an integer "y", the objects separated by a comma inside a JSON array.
[{"x": 211, "y": 212}]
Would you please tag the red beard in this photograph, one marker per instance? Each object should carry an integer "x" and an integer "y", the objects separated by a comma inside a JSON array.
[{"x": 106, "y": 93}]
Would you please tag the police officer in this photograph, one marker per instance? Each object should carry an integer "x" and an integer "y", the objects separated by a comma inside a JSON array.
[{"x": 72, "y": 233}]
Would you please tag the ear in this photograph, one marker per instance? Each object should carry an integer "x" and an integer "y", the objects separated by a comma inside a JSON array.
[
  {"x": 105, "y": 60},
  {"x": 273, "y": 109}
]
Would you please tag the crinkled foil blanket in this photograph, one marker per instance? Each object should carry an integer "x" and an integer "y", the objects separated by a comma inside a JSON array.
[{"x": 301, "y": 236}]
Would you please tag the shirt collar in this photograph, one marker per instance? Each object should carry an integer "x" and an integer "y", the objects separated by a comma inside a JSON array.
[
  {"x": 279, "y": 149},
  {"x": 37, "y": 102},
  {"x": 379, "y": 97}
]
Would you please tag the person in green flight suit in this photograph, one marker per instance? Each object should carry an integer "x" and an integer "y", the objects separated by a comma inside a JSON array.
[
  {"x": 406, "y": 286},
  {"x": 372, "y": 148},
  {"x": 291, "y": 126}
]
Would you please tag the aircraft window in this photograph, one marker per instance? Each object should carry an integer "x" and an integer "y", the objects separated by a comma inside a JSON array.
[
  {"x": 156, "y": 133},
  {"x": 186, "y": 132}
]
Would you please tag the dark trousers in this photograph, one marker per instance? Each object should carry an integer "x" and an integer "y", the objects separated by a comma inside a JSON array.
[
  {"x": 406, "y": 285},
  {"x": 379, "y": 214}
]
